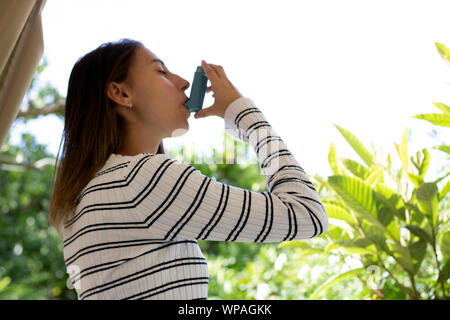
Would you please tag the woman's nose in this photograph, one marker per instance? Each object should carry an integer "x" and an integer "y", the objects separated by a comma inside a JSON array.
[{"x": 185, "y": 85}]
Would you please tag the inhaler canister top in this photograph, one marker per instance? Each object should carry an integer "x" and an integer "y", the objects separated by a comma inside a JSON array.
[{"x": 198, "y": 90}]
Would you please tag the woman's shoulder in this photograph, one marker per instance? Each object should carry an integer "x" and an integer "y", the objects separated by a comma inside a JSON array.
[
  {"x": 126, "y": 165},
  {"x": 119, "y": 169}
]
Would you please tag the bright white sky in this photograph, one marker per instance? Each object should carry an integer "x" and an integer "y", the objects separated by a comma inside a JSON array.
[{"x": 367, "y": 66}]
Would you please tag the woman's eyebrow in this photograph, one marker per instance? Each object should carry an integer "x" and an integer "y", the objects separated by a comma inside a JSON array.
[{"x": 158, "y": 60}]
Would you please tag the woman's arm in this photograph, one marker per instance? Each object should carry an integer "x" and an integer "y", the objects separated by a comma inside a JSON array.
[
  {"x": 178, "y": 201},
  {"x": 173, "y": 200}
]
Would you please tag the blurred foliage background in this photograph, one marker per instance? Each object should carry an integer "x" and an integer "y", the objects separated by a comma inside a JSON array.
[{"x": 389, "y": 235}]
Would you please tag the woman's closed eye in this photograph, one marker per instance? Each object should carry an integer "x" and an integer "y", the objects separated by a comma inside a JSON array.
[{"x": 163, "y": 72}]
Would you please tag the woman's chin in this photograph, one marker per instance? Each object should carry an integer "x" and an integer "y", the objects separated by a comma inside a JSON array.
[
  {"x": 186, "y": 124},
  {"x": 180, "y": 131}
]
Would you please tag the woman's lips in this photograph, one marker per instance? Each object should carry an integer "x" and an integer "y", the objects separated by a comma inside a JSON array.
[{"x": 187, "y": 112}]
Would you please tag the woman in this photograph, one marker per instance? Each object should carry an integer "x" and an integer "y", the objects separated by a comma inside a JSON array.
[{"x": 130, "y": 215}]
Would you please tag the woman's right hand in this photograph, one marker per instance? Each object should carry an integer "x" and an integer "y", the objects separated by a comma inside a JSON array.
[{"x": 224, "y": 91}]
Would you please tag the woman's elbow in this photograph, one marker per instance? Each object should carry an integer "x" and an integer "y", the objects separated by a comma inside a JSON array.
[
  {"x": 324, "y": 221},
  {"x": 313, "y": 217}
]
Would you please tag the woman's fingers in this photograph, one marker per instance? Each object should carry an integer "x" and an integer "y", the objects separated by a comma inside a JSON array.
[
  {"x": 224, "y": 91},
  {"x": 214, "y": 67},
  {"x": 210, "y": 72},
  {"x": 209, "y": 89},
  {"x": 219, "y": 70}
]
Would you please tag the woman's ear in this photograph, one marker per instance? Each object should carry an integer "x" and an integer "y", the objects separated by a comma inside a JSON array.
[{"x": 118, "y": 92}]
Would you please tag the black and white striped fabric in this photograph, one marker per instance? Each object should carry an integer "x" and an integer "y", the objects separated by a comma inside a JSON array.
[{"x": 135, "y": 230}]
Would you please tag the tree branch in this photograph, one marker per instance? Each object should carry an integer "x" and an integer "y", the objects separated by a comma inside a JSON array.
[
  {"x": 32, "y": 111},
  {"x": 17, "y": 163}
]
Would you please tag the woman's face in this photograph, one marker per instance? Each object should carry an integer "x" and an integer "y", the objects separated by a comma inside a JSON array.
[{"x": 157, "y": 98}]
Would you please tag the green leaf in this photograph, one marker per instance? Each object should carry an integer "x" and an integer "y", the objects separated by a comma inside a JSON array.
[
  {"x": 359, "y": 242},
  {"x": 421, "y": 233},
  {"x": 355, "y": 193},
  {"x": 441, "y": 178},
  {"x": 394, "y": 229},
  {"x": 321, "y": 181},
  {"x": 336, "y": 232},
  {"x": 331, "y": 246},
  {"x": 443, "y": 148},
  {"x": 444, "y": 52},
  {"x": 357, "y": 250},
  {"x": 385, "y": 214},
  {"x": 334, "y": 280},
  {"x": 360, "y": 198},
  {"x": 365, "y": 155},
  {"x": 356, "y": 168},
  {"x": 334, "y": 202},
  {"x": 338, "y": 212},
  {"x": 427, "y": 198},
  {"x": 402, "y": 256},
  {"x": 308, "y": 252},
  {"x": 4, "y": 283},
  {"x": 439, "y": 119},
  {"x": 402, "y": 150},
  {"x": 421, "y": 160},
  {"x": 385, "y": 210},
  {"x": 375, "y": 234},
  {"x": 375, "y": 176},
  {"x": 444, "y": 191},
  {"x": 445, "y": 271},
  {"x": 418, "y": 250},
  {"x": 417, "y": 215},
  {"x": 332, "y": 160},
  {"x": 359, "y": 246},
  {"x": 416, "y": 180},
  {"x": 389, "y": 162},
  {"x": 295, "y": 244},
  {"x": 444, "y": 108},
  {"x": 444, "y": 244},
  {"x": 397, "y": 206}
]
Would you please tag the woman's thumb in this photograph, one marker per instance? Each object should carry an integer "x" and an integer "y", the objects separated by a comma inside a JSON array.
[{"x": 202, "y": 113}]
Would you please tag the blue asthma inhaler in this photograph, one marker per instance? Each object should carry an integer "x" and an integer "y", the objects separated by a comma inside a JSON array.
[{"x": 198, "y": 90}]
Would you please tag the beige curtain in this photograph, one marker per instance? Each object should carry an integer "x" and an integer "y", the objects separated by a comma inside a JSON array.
[{"x": 21, "y": 49}]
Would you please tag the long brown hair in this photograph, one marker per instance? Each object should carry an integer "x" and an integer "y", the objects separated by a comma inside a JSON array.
[{"x": 93, "y": 129}]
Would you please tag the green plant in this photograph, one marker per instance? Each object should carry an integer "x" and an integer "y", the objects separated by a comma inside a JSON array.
[{"x": 395, "y": 222}]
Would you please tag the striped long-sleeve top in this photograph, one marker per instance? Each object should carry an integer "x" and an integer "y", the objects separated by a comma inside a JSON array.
[{"x": 135, "y": 229}]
